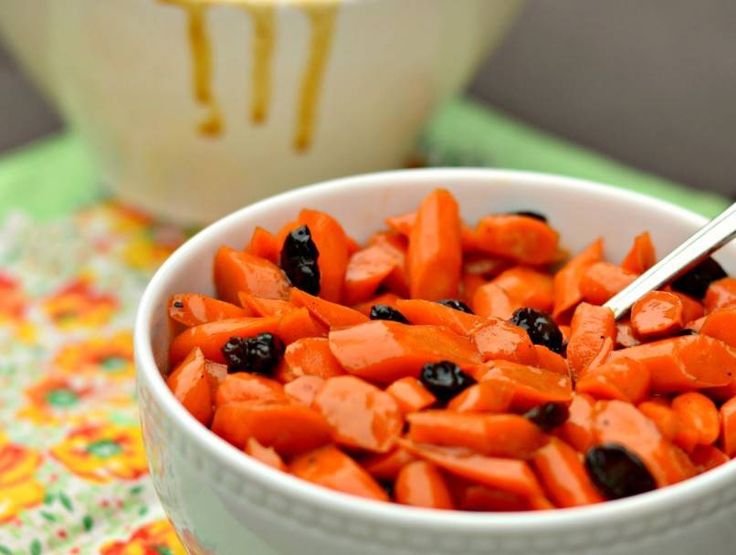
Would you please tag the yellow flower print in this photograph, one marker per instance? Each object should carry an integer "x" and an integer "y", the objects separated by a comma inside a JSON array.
[
  {"x": 80, "y": 305},
  {"x": 148, "y": 250},
  {"x": 155, "y": 538},
  {"x": 111, "y": 357},
  {"x": 103, "y": 452},
  {"x": 19, "y": 488}
]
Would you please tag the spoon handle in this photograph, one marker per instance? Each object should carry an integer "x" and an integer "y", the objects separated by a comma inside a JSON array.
[{"x": 708, "y": 239}]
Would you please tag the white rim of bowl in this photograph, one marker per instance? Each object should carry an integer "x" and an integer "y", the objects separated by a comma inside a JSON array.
[{"x": 603, "y": 513}]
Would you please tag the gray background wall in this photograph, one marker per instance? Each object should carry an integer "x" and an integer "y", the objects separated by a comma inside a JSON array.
[{"x": 649, "y": 82}]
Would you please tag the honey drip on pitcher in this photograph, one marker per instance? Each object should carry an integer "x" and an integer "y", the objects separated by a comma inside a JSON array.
[{"x": 262, "y": 44}]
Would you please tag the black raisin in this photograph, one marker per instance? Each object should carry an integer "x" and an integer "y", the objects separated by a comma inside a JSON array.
[
  {"x": 541, "y": 328},
  {"x": 530, "y": 214},
  {"x": 548, "y": 416},
  {"x": 617, "y": 472},
  {"x": 299, "y": 257},
  {"x": 695, "y": 282},
  {"x": 385, "y": 312},
  {"x": 178, "y": 304},
  {"x": 457, "y": 305},
  {"x": 260, "y": 354},
  {"x": 444, "y": 379},
  {"x": 388, "y": 487},
  {"x": 684, "y": 332}
]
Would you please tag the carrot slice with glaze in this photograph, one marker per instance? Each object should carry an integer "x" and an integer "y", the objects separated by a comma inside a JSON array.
[
  {"x": 658, "y": 411},
  {"x": 492, "y": 301},
  {"x": 480, "y": 498},
  {"x": 698, "y": 419},
  {"x": 520, "y": 238},
  {"x": 395, "y": 247},
  {"x": 707, "y": 457},
  {"x": 410, "y": 395},
  {"x": 578, "y": 429},
  {"x": 549, "y": 360},
  {"x": 591, "y": 327},
  {"x": 189, "y": 384},
  {"x": 264, "y": 245},
  {"x": 304, "y": 389},
  {"x": 531, "y": 386},
  {"x": 623, "y": 379},
  {"x": 244, "y": 386},
  {"x": 332, "y": 245},
  {"x": 526, "y": 287},
  {"x": 384, "y": 298},
  {"x": 419, "y": 311},
  {"x": 366, "y": 270},
  {"x": 311, "y": 356},
  {"x": 420, "y": 484},
  {"x": 692, "y": 309},
  {"x": 656, "y": 314},
  {"x": 567, "y": 281},
  {"x": 642, "y": 255},
  {"x": 299, "y": 323},
  {"x": 720, "y": 294},
  {"x": 491, "y": 396},
  {"x": 386, "y": 466},
  {"x": 728, "y": 427},
  {"x": 264, "y": 307},
  {"x": 236, "y": 271},
  {"x": 192, "y": 309},
  {"x": 721, "y": 324},
  {"x": 602, "y": 280},
  {"x": 403, "y": 223},
  {"x": 331, "y": 314},
  {"x": 267, "y": 455},
  {"x": 500, "y": 340}
]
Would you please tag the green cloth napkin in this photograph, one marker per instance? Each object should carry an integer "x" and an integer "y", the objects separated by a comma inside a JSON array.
[{"x": 54, "y": 176}]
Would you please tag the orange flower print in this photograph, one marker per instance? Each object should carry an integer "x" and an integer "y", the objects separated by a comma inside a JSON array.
[
  {"x": 111, "y": 357},
  {"x": 19, "y": 488},
  {"x": 12, "y": 300},
  {"x": 155, "y": 538},
  {"x": 103, "y": 452},
  {"x": 80, "y": 305}
]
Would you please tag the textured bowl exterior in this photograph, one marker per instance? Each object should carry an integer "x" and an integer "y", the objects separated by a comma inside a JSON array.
[{"x": 232, "y": 504}]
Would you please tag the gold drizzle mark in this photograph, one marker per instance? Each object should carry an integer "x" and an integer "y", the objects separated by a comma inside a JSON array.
[{"x": 262, "y": 45}]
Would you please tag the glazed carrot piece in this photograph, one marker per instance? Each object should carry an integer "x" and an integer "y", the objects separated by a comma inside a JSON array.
[
  {"x": 565, "y": 331},
  {"x": 384, "y": 298},
  {"x": 642, "y": 255},
  {"x": 420, "y": 484},
  {"x": 361, "y": 415},
  {"x": 549, "y": 360},
  {"x": 520, "y": 238},
  {"x": 692, "y": 309},
  {"x": 244, "y": 386},
  {"x": 578, "y": 429},
  {"x": 591, "y": 326},
  {"x": 395, "y": 247},
  {"x": 481, "y": 498},
  {"x": 698, "y": 419},
  {"x": 366, "y": 270},
  {"x": 236, "y": 271},
  {"x": 623, "y": 379},
  {"x": 299, "y": 323},
  {"x": 289, "y": 427},
  {"x": 264, "y": 307},
  {"x": 287, "y": 228},
  {"x": 467, "y": 239},
  {"x": 625, "y": 335},
  {"x": 383, "y": 351},
  {"x": 721, "y": 324},
  {"x": 498, "y": 435},
  {"x": 509, "y": 475},
  {"x": 563, "y": 475},
  {"x": 332, "y": 245},
  {"x": 215, "y": 374},
  {"x": 684, "y": 363},
  {"x": 707, "y": 457},
  {"x": 500, "y": 340},
  {"x": 469, "y": 284},
  {"x": 212, "y": 336},
  {"x": 527, "y": 287},
  {"x": 189, "y": 384},
  {"x": 659, "y": 412},
  {"x": 492, "y": 301},
  {"x": 493, "y": 396},
  {"x": 728, "y": 427},
  {"x": 720, "y": 294},
  {"x": 264, "y": 244},
  {"x": 304, "y": 388},
  {"x": 192, "y": 309},
  {"x": 566, "y": 282},
  {"x": 267, "y": 455},
  {"x": 602, "y": 280},
  {"x": 410, "y": 395},
  {"x": 331, "y": 468},
  {"x": 402, "y": 224},
  {"x": 419, "y": 311},
  {"x": 386, "y": 466},
  {"x": 311, "y": 356},
  {"x": 331, "y": 314},
  {"x": 531, "y": 386},
  {"x": 434, "y": 257},
  {"x": 656, "y": 314},
  {"x": 352, "y": 244}
]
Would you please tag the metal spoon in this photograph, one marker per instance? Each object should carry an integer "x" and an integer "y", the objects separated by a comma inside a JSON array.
[{"x": 708, "y": 239}]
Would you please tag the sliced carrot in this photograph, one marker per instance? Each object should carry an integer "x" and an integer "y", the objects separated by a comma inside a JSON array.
[
  {"x": 684, "y": 363},
  {"x": 720, "y": 294},
  {"x": 395, "y": 247},
  {"x": 264, "y": 307},
  {"x": 299, "y": 323},
  {"x": 420, "y": 484},
  {"x": 331, "y": 468},
  {"x": 332, "y": 245},
  {"x": 384, "y": 298},
  {"x": 602, "y": 280},
  {"x": 491, "y": 300},
  {"x": 410, "y": 395},
  {"x": 419, "y": 311},
  {"x": 498, "y": 435},
  {"x": 290, "y": 428},
  {"x": 692, "y": 309},
  {"x": 331, "y": 314},
  {"x": 578, "y": 429},
  {"x": 531, "y": 386},
  {"x": 189, "y": 384},
  {"x": 467, "y": 239},
  {"x": 659, "y": 412},
  {"x": 642, "y": 255},
  {"x": 192, "y": 309},
  {"x": 267, "y": 455},
  {"x": 244, "y": 386},
  {"x": 304, "y": 388},
  {"x": 520, "y": 238},
  {"x": 721, "y": 324},
  {"x": 549, "y": 360},
  {"x": 484, "y": 265},
  {"x": 366, "y": 270},
  {"x": 728, "y": 427},
  {"x": 469, "y": 284},
  {"x": 566, "y": 282},
  {"x": 212, "y": 336},
  {"x": 216, "y": 374},
  {"x": 403, "y": 223},
  {"x": 500, "y": 340},
  {"x": 353, "y": 245},
  {"x": 491, "y": 396},
  {"x": 708, "y": 457},
  {"x": 361, "y": 415},
  {"x": 565, "y": 331},
  {"x": 386, "y": 466},
  {"x": 698, "y": 419},
  {"x": 481, "y": 498},
  {"x": 527, "y": 287},
  {"x": 287, "y": 228},
  {"x": 236, "y": 271},
  {"x": 625, "y": 335},
  {"x": 563, "y": 475},
  {"x": 264, "y": 244},
  {"x": 311, "y": 356},
  {"x": 383, "y": 351},
  {"x": 623, "y": 379},
  {"x": 591, "y": 326},
  {"x": 434, "y": 257},
  {"x": 656, "y": 314}
]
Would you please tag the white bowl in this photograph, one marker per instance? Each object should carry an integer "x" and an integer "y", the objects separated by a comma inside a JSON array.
[
  {"x": 233, "y": 504},
  {"x": 121, "y": 74}
]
